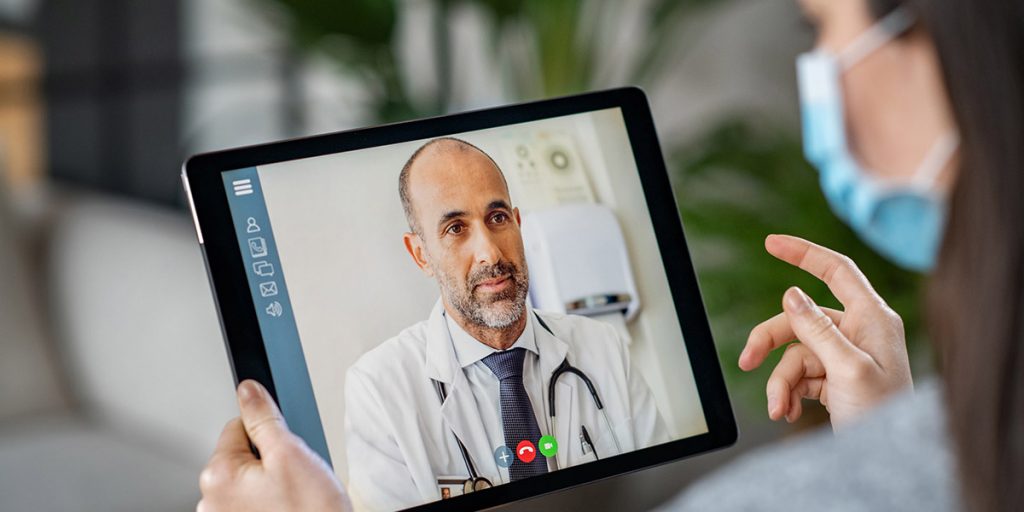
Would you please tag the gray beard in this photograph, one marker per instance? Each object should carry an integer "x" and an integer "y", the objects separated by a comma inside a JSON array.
[
  {"x": 503, "y": 310},
  {"x": 495, "y": 316}
]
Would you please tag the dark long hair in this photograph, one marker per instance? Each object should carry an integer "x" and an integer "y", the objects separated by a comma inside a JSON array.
[{"x": 976, "y": 296}]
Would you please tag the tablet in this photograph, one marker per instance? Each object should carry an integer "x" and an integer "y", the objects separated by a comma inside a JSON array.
[{"x": 469, "y": 310}]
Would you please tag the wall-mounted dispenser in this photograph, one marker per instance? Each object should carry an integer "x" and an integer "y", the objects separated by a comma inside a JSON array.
[{"x": 578, "y": 262}]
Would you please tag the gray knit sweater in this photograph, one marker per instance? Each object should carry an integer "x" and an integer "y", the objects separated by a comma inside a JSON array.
[{"x": 897, "y": 458}]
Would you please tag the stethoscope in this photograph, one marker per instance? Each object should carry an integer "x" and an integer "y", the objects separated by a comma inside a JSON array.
[{"x": 475, "y": 482}]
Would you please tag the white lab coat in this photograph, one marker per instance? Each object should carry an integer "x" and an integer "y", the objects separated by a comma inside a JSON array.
[{"x": 399, "y": 437}]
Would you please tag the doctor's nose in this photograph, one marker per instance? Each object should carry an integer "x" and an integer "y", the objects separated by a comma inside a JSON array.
[{"x": 485, "y": 250}]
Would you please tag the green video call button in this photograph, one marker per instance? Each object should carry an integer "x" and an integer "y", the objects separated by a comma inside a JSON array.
[{"x": 548, "y": 446}]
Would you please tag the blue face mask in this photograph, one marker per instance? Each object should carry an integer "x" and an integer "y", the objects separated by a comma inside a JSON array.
[{"x": 903, "y": 221}]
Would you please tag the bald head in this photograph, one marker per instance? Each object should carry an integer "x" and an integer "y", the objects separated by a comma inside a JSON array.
[{"x": 442, "y": 158}]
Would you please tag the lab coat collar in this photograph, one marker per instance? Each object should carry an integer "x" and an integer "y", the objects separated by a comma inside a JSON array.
[
  {"x": 469, "y": 350},
  {"x": 442, "y": 364}
]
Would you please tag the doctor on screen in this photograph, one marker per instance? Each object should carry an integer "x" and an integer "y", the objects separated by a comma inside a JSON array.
[{"x": 463, "y": 400}]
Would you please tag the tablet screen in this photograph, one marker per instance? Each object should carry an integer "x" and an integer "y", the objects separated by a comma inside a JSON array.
[{"x": 467, "y": 311}]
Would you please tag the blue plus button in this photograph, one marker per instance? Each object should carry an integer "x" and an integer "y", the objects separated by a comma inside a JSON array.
[{"x": 503, "y": 456}]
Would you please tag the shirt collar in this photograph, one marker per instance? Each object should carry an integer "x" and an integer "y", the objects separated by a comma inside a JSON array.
[{"x": 469, "y": 350}]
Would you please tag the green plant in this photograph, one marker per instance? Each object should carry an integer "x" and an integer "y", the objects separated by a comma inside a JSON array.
[{"x": 542, "y": 48}]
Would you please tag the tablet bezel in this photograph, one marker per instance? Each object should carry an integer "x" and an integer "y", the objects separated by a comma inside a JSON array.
[{"x": 238, "y": 315}]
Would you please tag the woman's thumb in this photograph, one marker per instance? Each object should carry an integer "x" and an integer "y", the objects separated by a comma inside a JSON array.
[
  {"x": 262, "y": 419},
  {"x": 815, "y": 329}
]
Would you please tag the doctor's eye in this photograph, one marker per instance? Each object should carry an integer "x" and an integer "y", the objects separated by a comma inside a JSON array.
[
  {"x": 499, "y": 218},
  {"x": 455, "y": 229}
]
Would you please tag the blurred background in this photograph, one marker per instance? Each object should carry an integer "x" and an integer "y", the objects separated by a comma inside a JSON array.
[{"x": 114, "y": 382}]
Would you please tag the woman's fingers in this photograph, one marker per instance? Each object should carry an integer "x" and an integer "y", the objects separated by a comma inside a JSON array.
[
  {"x": 797, "y": 363},
  {"x": 770, "y": 335},
  {"x": 818, "y": 332},
  {"x": 839, "y": 272},
  {"x": 812, "y": 388},
  {"x": 796, "y": 407},
  {"x": 856, "y": 366}
]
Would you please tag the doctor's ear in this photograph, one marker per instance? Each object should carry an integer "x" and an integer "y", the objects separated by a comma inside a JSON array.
[
  {"x": 515, "y": 213},
  {"x": 414, "y": 246}
]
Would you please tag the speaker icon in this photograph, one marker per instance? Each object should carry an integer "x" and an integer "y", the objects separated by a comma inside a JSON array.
[{"x": 274, "y": 309}]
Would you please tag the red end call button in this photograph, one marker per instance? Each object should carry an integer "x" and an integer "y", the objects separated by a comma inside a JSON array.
[{"x": 526, "y": 451}]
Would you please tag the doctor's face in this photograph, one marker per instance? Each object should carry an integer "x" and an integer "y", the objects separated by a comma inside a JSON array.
[{"x": 468, "y": 234}]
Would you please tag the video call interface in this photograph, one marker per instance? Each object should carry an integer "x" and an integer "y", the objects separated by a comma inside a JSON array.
[{"x": 446, "y": 315}]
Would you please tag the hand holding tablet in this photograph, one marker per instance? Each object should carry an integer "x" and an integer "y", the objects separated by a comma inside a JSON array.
[
  {"x": 422, "y": 299},
  {"x": 286, "y": 476}
]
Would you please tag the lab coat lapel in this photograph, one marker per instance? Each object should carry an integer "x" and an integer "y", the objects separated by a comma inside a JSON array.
[
  {"x": 441, "y": 363},
  {"x": 564, "y": 422},
  {"x": 458, "y": 411},
  {"x": 461, "y": 415},
  {"x": 552, "y": 352}
]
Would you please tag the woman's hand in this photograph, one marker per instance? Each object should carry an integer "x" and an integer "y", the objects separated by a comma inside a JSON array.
[
  {"x": 287, "y": 476},
  {"x": 849, "y": 360}
]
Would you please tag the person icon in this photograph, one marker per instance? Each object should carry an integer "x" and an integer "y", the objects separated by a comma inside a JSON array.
[{"x": 251, "y": 226}]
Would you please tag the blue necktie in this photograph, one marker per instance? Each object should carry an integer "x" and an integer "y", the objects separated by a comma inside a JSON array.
[{"x": 517, "y": 418}]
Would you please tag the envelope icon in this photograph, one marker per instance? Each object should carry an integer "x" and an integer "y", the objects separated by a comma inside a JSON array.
[{"x": 268, "y": 289}]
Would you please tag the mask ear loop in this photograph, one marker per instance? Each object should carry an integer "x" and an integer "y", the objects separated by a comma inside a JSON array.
[
  {"x": 935, "y": 161},
  {"x": 888, "y": 28},
  {"x": 927, "y": 172}
]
